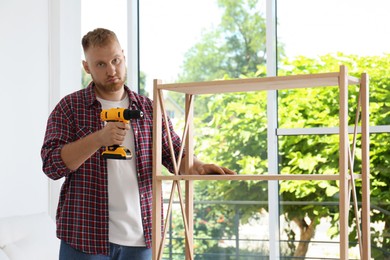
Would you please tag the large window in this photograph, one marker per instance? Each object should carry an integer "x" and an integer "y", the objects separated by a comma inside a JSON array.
[{"x": 197, "y": 40}]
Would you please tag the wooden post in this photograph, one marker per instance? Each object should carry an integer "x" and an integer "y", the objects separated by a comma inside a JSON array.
[
  {"x": 365, "y": 168},
  {"x": 189, "y": 186},
  {"x": 157, "y": 184},
  {"x": 343, "y": 162}
]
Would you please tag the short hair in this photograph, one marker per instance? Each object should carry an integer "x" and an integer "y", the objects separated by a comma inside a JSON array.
[{"x": 98, "y": 38}]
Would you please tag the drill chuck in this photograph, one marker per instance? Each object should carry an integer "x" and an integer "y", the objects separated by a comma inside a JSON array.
[{"x": 132, "y": 114}]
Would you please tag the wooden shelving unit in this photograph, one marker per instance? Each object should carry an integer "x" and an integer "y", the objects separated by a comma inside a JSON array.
[{"x": 346, "y": 177}]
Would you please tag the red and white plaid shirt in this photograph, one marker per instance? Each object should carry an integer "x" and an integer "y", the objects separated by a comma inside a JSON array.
[{"x": 82, "y": 213}]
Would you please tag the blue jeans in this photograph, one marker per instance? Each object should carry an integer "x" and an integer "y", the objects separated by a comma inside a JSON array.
[{"x": 117, "y": 252}]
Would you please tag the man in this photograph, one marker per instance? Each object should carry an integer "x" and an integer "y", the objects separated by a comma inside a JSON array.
[{"x": 104, "y": 210}]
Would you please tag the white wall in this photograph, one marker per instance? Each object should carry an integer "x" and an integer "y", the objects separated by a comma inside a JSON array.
[
  {"x": 24, "y": 104},
  {"x": 31, "y": 81}
]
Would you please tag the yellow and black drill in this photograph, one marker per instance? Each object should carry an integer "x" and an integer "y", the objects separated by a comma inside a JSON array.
[{"x": 119, "y": 115}]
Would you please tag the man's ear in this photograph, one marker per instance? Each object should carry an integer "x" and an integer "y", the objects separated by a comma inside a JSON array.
[{"x": 86, "y": 67}]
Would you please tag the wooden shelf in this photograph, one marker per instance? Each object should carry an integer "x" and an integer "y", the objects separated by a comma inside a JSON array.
[
  {"x": 258, "y": 84},
  {"x": 345, "y": 177},
  {"x": 254, "y": 177}
]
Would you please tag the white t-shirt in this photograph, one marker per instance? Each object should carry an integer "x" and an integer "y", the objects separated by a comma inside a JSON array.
[{"x": 125, "y": 224}]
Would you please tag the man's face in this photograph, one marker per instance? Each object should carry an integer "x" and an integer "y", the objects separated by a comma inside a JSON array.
[{"x": 107, "y": 66}]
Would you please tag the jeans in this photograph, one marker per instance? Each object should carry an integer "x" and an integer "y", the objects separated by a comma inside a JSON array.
[{"x": 117, "y": 252}]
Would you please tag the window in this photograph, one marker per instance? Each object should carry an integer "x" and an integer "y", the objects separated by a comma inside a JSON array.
[
  {"x": 181, "y": 42},
  {"x": 317, "y": 36}
]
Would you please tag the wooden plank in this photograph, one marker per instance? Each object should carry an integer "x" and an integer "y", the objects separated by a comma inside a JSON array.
[
  {"x": 343, "y": 163},
  {"x": 365, "y": 169},
  {"x": 157, "y": 184},
  {"x": 254, "y": 177},
  {"x": 189, "y": 186},
  {"x": 257, "y": 84}
]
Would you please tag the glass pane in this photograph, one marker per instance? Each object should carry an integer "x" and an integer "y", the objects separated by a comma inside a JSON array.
[
  {"x": 228, "y": 42},
  {"x": 315, "y": 37},
  {"x": 168, "y": 30},
  {"x": 380, "y": 195},
  {"x": 179, "y": 41},
  {"x": 182, "y": 42},
  {"x": 313, "y": 28}
]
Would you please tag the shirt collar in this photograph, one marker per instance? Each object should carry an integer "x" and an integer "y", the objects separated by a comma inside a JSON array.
[{"x": 91, "y": 96}]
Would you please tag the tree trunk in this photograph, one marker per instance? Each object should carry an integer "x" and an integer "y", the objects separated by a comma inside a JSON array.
[{"x": 307, "y": 233}]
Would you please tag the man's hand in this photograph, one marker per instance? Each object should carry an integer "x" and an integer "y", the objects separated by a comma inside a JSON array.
[
  {"x": 113, "y": 133},
  {"x": 200, "y": 168},
  {"x": 76, "y": 153},
  {"x": 211, "y": 169}
]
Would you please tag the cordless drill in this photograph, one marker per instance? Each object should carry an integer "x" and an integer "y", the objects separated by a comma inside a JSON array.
[{"x": 119, "y": 115}]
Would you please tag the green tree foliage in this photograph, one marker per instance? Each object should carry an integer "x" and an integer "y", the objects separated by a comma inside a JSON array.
[
  {"x": 142, "y": 84},
  {"x": 239, "y": 143},
  {"x": 376, "y": 67},
  {"x": 236, "y": 47},
  {"x": 85, "y": 78},
  {"x": 231, "y": 131}
]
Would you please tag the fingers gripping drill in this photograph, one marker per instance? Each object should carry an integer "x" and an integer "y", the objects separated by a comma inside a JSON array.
[{"x": 119, "y": 115}]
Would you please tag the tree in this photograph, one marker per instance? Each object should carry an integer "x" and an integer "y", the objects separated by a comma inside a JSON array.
[
  {"x": 233, "y": 145},
  {"x": 235, "y": 48},
  {"x": 234, "y": 128},
  {"x": 85, "y": 78},
  {"x": 376, "y": 67},
  {"x": 142, "y": 84}
]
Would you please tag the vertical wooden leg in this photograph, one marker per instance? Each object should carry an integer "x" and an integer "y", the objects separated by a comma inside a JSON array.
[
  {"x": 343, "y": 162},
  {"x": 190, "y": 217},
  {"x": 157, "y": 184},
  {"x": 189, "y": 186},
  {"x": 365, "y": 169}
]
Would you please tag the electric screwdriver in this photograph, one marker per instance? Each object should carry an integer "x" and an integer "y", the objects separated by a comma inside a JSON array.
[{"x": 119, "y": 115}]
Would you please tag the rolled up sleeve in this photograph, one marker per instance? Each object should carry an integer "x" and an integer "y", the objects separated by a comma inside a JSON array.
[{"x": 58, "y": 133}]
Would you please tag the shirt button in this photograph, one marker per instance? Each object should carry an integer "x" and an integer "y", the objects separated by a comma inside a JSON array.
[{"x": 136, "y": 132}]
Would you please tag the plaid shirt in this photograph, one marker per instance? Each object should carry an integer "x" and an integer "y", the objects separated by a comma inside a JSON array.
[{"x": 82, "y": 213}]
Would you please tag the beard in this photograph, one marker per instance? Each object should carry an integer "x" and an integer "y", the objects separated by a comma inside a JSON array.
[{"x": 110, "y": 86}]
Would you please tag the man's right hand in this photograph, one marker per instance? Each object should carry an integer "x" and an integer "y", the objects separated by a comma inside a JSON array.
[
  {"x": 113, "y": 133},
  {"x": 76, "y": 153}
]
